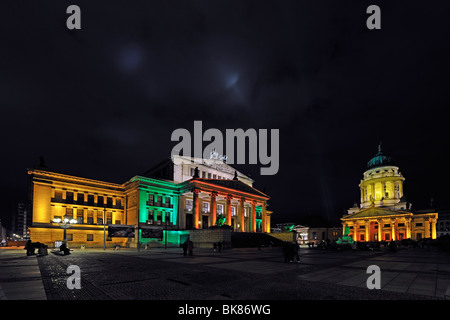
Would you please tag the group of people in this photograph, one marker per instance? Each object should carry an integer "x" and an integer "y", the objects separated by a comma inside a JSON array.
[
  {"x": 290, "y": 252},
  {"x": 218, "y": 246},
  {"x": 188, "y": 247},
  {"x": 32, "y": 246}
]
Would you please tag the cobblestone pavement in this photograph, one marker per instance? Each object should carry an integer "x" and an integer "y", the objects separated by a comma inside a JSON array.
[{"x": 245, "y": 274}]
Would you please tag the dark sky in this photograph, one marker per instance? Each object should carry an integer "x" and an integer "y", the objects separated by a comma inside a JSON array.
[{"x": 102, "y": 102}]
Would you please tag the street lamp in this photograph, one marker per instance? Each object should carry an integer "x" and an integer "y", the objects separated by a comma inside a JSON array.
[{"x": 64, "y": 223}]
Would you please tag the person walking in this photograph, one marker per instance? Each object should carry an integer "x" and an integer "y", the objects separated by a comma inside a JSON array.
[
  {"x": 185, "y": 247},
  {"x": 190, "y": 247},
  {"x": 29, "y": 248},
  {"x": 296, "y": 249}
]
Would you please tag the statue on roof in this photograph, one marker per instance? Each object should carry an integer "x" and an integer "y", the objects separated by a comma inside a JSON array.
[{"x": 196, "y": 174}]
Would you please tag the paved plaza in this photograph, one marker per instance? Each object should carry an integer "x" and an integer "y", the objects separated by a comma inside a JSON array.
[{"x": 233, "y": 274}]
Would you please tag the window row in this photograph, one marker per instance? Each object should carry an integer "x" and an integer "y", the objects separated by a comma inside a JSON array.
[
  {"x": 159, "y": 201},
  {"x": 89, "y": 199},
  {"x": 91, "y": 217},
  {"x": 220, "y": 208},
  {"x": 207, "y": 175},
  {"x": 159, "y": 218},
  {"x": 89, "y": 237}
]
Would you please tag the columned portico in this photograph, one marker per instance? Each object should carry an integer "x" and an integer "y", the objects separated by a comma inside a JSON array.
[
  {"x": 390, "y": 225},
  {"x": 234, "y": 199}
]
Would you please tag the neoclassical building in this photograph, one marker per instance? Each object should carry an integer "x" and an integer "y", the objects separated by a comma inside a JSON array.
[
  {"x": 174, "y": 197},
  {"x": 383, "y": 213}
]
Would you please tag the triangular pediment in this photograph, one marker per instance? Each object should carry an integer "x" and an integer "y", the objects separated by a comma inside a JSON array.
[{"x": 375, "y": 212}]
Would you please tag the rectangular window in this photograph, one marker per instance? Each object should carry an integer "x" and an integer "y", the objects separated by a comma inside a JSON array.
[
  {"x": 192, "y": 172},
  {"x": 167, "y": 202},
  {"x": 58, "y": 195},
  {"x": 99, "y": 221},
  {"x": 387, "y": 237},
  {"x": 189, "y": 205},
  {"x": 204, "y": 174},
  {"x": 401, "y": 224},
  {"x": 69, "y": 237},
  {"x": 209, "y": 175},
  {"x": 69, "y": 197},
  {"x": 90, "y": 200},
  {"x": 69, "y": 213},
  {"x": 90, "y": 220},
  {"x": 108, "y": 218},
  {"x": 99, "y": 201},
  {"x": 109, "y": 202},
  {"x": 219, "y": 208},
  {"x": 150, "y": 216},
  {"x": 80, "y": 219},
  {"x": 214, "y": 176},
  {"x": 167, "y": 218},
  {"x": 233, "y": 211},
  {"x": 80, "y": 198},
  {"x": 205, "y": 207},
  {"x": 245, "y": 212},
  {"x": 361, "y": 237},
  {"x": 314, "y": 235},
  {"x": 387, "y": 225},
  {"x": 418, "y": 224},
  {"x": 90, "y": 237}
]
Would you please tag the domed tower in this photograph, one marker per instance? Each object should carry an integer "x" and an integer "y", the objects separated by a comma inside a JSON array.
[{"x": 382, "y": 184}]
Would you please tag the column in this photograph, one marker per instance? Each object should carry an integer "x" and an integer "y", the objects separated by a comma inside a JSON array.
[
  {"x": 367, "y": 227},
  {"x": 229, "y": 197},
  {"x": 213, "y": 207},
  {"x": 427, "y": 227},
  {"x": 253, "y": 215},
  {"x": 264, "y": 226},
  {"x": 393, "y": 229},
  {"x": 433, "y": 228},
  {"x": 196, "y": 208},
  {"x": 396, "y": 190},
  {"x": 355, "y": 230},
  {"x": 408, "y": 228},
  {"x": 380, "y": 226},
  {"x": 242, "y": 214}
]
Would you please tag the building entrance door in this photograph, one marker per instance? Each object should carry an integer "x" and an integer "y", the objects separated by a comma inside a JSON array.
[{"x": 189, "y": 221}]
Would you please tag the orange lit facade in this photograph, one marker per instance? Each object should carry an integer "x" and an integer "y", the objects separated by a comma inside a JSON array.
[
  {"x": 384, "y": 214},
  {"x": 167, "y": 196}
]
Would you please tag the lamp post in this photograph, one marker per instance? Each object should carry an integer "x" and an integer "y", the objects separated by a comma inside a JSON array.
[{"x": 65, "y": 224}]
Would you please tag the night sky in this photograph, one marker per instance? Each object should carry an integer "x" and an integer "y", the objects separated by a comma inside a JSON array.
[{"x": 102, "y": 102}]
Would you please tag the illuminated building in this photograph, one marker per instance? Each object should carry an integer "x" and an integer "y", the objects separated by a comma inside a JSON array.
[
  {"x": 176, "y": 196},
  {"x": 383, "y": 213}
]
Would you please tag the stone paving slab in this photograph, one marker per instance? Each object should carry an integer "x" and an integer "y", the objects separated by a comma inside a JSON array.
[
  {"x": 20, "y": 276},
  {"x": 259, "y": 267}
]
